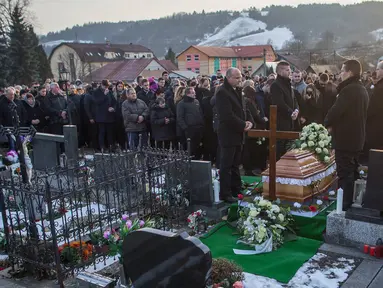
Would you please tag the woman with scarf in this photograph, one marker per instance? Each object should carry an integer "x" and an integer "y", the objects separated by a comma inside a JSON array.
[{"x": 34, "y": 115}]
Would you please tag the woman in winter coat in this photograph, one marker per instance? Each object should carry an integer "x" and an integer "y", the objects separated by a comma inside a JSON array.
[
  {"x": 255, "y": 150},
  {"x": 34, "y": 115},
  {"x": 119, "y": 127},
  {"x": 309, "y": 106},
  {"x": 163, "y": 124}
]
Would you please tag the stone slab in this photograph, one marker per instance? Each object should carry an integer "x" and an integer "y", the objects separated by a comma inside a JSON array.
[
  {"x": 378, "y": 280},
  {"x": 215, "y": 212},
  {"x": 327, "y": 248},
  {"x": 363, "y": 275},
  {"x": 352, "y": 233}
]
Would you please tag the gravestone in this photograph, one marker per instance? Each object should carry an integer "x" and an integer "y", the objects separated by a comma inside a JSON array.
[
  {"x": 202, "y": 192},
  {"x": 361, "y": 225},
  {"x": 46, "y": 148},
  {"x": 372, "y": 206},
  {"x": 155, "y": 258}
]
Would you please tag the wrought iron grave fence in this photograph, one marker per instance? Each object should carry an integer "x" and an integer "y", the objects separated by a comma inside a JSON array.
[{"x": 65, "y": 208}]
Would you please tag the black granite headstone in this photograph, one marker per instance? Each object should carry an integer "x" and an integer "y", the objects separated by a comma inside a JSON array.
[
  {"x": 373, "y": 198},
  {"x": 201, "y": 183},
  {"x": 372, "y": 205},
  {"x": 155, "y": 258}
]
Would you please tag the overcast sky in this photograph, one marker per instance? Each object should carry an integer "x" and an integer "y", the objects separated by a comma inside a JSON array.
[{"x": 54, "y": 15}]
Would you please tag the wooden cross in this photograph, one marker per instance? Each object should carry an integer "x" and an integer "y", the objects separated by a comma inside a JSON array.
[{"x": 273, "y": 136}]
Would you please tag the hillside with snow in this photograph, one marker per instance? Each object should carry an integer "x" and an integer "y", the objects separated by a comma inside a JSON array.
[
  {"x": 245, "y": 31},
  {"x": 58, "y": 42}
]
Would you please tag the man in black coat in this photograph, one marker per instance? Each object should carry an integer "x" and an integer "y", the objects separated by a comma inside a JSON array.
[
  {"x": 234, "y": 121},
  {"x": 284, "y": 96},
  {"x": 346, "y": 120}
]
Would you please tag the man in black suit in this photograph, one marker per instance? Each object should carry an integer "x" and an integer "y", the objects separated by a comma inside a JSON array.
[
  {"x": 346, "y": 120},
  {"x": 234, "y": 120},
  {"x": 284, "y": 96}
]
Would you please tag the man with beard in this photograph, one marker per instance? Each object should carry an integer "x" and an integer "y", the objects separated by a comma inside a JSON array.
[
  {"x": 346, "y": 120},
  {"x": 234, "y": 121}
]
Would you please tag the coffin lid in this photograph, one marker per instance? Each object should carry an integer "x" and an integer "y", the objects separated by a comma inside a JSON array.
[{"x": 300, "y": 164}]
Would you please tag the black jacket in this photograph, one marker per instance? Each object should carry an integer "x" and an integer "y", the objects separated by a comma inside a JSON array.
[
  {"x": 282, "y": 95},
  {"x": 147, "y": 97},
  {"x": 55, "y": 105},
  {"x": 327, "y": 98},
  {"x": 189, "y": 115},
  {"x": 348, "y": 116},
  {"x": 97, "y": 106},
  {"x": 374, "y": 124},
  {"x": 7, "y": 112},
  {"x": 232, "y": 115},
  {"x": 160, "y": 130}
]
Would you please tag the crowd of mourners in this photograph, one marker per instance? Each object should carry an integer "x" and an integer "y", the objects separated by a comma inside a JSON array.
[{"x": 166, "y": 112}]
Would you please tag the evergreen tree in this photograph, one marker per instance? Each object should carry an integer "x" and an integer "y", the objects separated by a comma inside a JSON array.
[
  {"x": 44, "y": 68},
  {"x": 171, "y": 56},
  {"x": 20, "y": 53},
  {"x": 33, "y": 43},
  {"x": 4, "y": 60}
]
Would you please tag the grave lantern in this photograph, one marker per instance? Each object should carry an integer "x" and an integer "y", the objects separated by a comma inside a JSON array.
[{"x": 359, "y": 190}]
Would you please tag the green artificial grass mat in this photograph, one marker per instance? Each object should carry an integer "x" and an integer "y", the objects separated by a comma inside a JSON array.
[
  {"x": 313, "y": 228},
  {"x": 281, "y": 264},
  {"x": 251, "y": 179}
]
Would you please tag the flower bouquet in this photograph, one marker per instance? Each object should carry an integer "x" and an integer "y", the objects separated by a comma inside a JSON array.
[
  {"x": 75, "y": 252},
  {"x": 315, "y": 138},
  {"x": 115, "y": 237},
  {"x": 196, "y": 219},
  {"x": 264, "y": 223},
  {"x": 226, "y": 274}
]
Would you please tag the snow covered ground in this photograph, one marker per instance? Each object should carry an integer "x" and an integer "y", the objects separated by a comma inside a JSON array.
[
  {"x": 58, "y": 42},
  {"x": 378, "y": 34},
  {"x": 321, "y": 271},
  {"x": 236, "y": 33}
]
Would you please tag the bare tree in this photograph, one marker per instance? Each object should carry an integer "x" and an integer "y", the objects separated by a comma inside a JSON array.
[
  {"x": 75, "y": 66},
  {"x": 6, "y": 9}
]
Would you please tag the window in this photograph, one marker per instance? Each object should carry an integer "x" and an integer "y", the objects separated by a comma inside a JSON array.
[
  {"x": 189, "y": 69},
  {"x": 61, "y": 67},
  {"x": 188, "y": 58},
  {"x": 197, "y": 70},
  {"x": 196, "y": 57},
  {"x": 148, "y": 55},
  {"x": 249, "y": 68},
  {"x": 127, "y": 55}
]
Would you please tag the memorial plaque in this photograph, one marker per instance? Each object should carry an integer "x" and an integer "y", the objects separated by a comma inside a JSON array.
[
  {"x": 155, "y": 258},
  {"x": 373, "y": 199}
]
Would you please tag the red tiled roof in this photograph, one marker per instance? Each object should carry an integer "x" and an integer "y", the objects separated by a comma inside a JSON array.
[
  {"x": 125, "y": 70},
  {"x": 211, "y": 51},
  {"x": 94, "y": 52},
  {"x": 253, "y": 51},
  {"x": 168, "y": 65},
  {"x": 237, "y": 51},
  {"x": 119, "y": 70}
]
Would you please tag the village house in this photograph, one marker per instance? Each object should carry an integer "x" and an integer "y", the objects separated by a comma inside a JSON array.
[
  {"x": 77, "y": 60},
  {"x": 206, "y": 60},
  {"x": 128, "y": 70}
]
